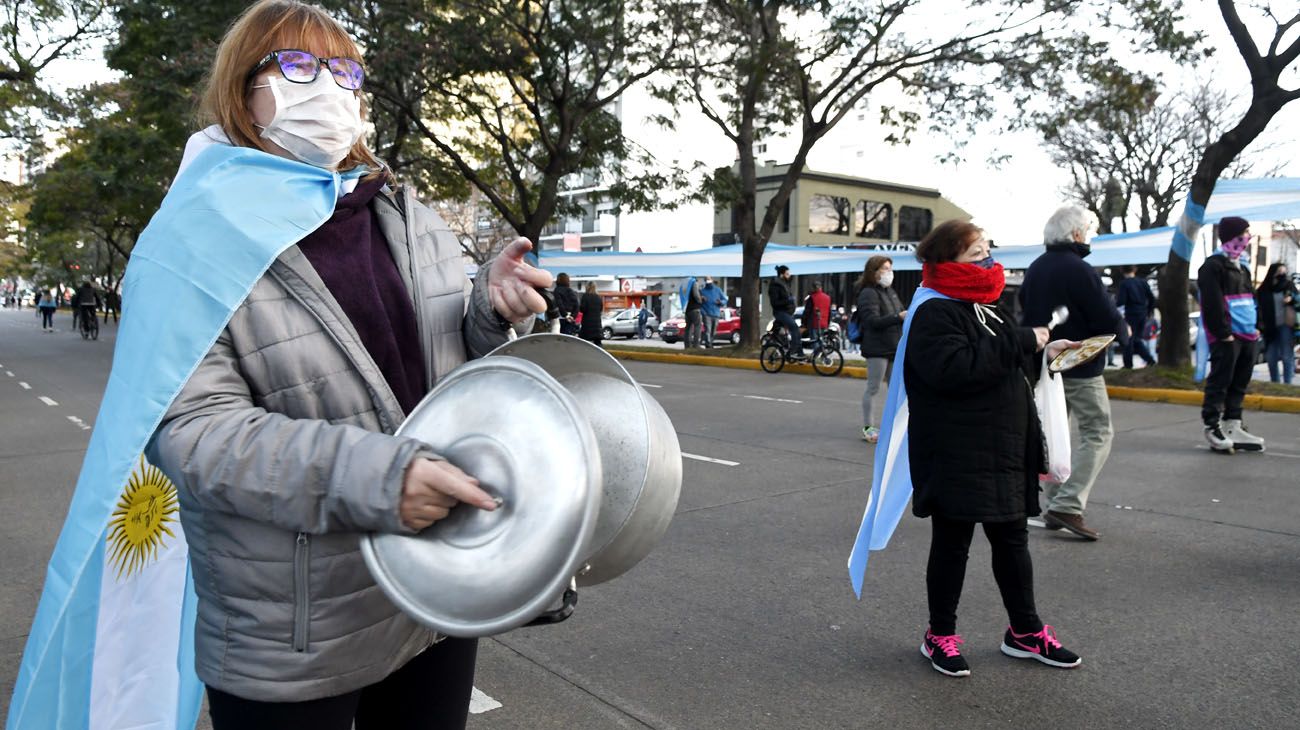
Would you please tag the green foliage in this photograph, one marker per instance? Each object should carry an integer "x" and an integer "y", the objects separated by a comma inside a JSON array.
[
  {"x": 525, "y": 102},
  {"x": 34, "y": 34}
]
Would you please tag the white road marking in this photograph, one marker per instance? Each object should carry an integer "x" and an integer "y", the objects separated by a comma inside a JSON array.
[
  {"x": 47, "y": 401},
  {"x": 9, "y": 373},
  {"x": 479, "y": 702},
  {"x": 647, "y": 385},
  {"x": 710, "y": 459},
  {"x": 774, "y": 400},
  {"x": 79, "y": 422},
  {"x": 25, "y": 385}
]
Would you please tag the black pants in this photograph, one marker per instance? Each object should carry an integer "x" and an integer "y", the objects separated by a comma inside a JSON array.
[
  {"x": 1137, "y": 342},
  {"x": 431, "y": 692},
  {"x": 1012, "y": 568},
  {"x": 1225, "y": 387}
]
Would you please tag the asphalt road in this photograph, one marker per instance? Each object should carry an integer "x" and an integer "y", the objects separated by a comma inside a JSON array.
[{"x": 1184, "y": 612}]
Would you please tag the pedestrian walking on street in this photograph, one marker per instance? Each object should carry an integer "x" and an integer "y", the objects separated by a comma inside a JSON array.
[
  {"x": 1278, "y": 303},
  {"x": 47, "y": 305},
  {"x": 880, "y": 316},
  {"x": 778, "y": 293},
  {"x": 974, "y": 443},
  {"x": 281, "y": 442},
  {"x": 590, "y": 310},
  {"x": 692, "y": 299},
  {"x": 1139, "y": 304},
  {"x": 817, "y": 315},
  {"x": 566, "y": 301},
  {"x": 1061, "y": 278},
  {"x": 712, "y": 300},
  {"x": 1229, "y": 324},
  {"x": 112, "y": 303},
  {"x": 642, "y": 317}
]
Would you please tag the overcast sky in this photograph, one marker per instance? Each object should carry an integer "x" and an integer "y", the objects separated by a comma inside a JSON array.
[{"x": 1011, "y": 201}]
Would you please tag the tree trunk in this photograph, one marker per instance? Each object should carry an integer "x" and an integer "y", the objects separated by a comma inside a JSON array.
[{"x": 1174, "y": 348}]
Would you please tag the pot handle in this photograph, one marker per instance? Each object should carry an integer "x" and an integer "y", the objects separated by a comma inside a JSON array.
[{"x": 568, "y": 602}]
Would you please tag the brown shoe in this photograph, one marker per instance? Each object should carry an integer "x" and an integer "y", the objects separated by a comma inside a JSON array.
[{"x": 1073, "y": 523}]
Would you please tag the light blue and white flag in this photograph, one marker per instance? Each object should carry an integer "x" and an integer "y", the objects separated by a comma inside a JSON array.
[
  {"x": 891, "y": 482},
  {"x": 111, "y": 646}
]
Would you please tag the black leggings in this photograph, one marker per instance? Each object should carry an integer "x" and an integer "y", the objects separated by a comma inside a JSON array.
[
  {"x": 1012, "y": 568},
  {"x": 430, "y": 692}
]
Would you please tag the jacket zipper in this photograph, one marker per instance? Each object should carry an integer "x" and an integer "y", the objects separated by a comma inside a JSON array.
[
  {"x": 416, "y": 291},
  {"x": 301, "y": 594}
]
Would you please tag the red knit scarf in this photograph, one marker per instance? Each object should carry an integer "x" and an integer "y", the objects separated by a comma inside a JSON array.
[{"x": 967, "y": 282}]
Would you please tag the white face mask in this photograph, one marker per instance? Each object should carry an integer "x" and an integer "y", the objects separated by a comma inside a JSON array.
[
  {"x": 886, "y": 278},
  {"x": 317, "y": 123}
]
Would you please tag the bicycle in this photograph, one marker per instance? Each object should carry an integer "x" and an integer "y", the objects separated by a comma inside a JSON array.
[
  {"x": 775, "y": 351},
  {"x": 89, "y": 323}
]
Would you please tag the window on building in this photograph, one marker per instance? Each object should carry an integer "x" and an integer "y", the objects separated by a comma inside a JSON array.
[
  {"x": 785, "y": 217},
  {"x": 760, "y": 148},
  {"x": 873, "y": 220},
  {"x": 829, "y": 214},
  {"x": 914, "y": 223}
]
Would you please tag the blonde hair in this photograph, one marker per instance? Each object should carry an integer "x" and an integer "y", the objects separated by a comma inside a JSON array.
[{"x": 272, "y": 25}]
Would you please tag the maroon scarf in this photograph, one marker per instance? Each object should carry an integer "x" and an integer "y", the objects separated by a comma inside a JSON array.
[{"x": 967, "y": 282}]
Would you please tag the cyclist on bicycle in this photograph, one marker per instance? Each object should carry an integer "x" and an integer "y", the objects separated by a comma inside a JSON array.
[
  {"x": 783, "y": 309},
  {"x": 86, "y": 300}
]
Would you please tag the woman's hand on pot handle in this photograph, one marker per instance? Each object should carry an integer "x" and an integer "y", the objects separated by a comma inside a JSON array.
[
  {"x": 431, "y": 488},
  {"x": 512, "y": 283},
  {"x": 1056, "y": 347}
]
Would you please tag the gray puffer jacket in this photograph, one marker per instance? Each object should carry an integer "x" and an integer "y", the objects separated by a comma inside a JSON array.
[{"x": 280, "y": 450}]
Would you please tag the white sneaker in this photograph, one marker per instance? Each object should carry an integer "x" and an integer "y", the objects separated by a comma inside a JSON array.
[
  {"x": 1241, "y": 438},
  {"x": 1218, "y": 441}
]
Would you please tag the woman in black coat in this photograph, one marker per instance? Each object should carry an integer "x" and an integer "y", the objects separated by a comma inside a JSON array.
[
  {"x": 880, "y": 317},
  {"x": 590, "y": 306},
  {"x": 974, "y": 442}
]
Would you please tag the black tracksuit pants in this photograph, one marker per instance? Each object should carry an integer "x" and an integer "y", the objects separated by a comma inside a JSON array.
[
  {"x": 1231, "y": 364},
  {"x": 1012, "y": 569}
]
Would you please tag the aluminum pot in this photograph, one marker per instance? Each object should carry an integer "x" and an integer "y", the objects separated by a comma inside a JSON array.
[{"x": 641, "y": 459}]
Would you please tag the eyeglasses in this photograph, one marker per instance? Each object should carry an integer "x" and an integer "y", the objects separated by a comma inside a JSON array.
[{"x": 301, "y": 67}]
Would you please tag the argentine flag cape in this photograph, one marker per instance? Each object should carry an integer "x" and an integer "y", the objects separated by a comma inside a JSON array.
[
  {"x": 112, "y": 643},
  {"x": 891, "y": 482}
]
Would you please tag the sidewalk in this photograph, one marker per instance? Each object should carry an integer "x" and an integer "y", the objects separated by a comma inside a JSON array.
[{"x": 855, "y": 367}]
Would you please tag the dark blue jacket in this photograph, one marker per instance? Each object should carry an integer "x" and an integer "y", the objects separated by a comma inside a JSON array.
[
  {"x": 1060, "y": 277},
  {"x": 1136, "y": 298},
  {"x": 713, "y": 299}
]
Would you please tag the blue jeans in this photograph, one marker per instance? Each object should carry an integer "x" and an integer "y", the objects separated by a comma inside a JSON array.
[
  {"x": 787, "y": 320},
  {"x": 1280, "y": 349}
]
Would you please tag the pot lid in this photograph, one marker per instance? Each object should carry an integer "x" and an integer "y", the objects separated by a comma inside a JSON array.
[{"x": 512, "y": 426}]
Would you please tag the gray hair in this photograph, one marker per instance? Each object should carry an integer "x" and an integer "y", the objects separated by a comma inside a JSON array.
[{"x": 1065, "y": 221}]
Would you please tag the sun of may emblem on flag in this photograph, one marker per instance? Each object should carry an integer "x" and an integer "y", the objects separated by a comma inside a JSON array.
[{"x": 144, "y": 511}]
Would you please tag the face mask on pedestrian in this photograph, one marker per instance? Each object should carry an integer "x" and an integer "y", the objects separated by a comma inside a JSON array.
[
  {"x": 1235, "y": 247},
  {"x": 886, "y": 278},
  {"x": 987, "y": 262},
  {"x": 316, "y": 123}
]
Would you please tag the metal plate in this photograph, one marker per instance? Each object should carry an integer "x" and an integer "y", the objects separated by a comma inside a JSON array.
[
  {"x": 1088, "y": 350},
  {"x": 509, "y": 424}
]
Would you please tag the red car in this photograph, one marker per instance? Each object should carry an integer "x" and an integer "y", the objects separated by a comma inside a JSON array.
[{"x": 728, "y": 328}]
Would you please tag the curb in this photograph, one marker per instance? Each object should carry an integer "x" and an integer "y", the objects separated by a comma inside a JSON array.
[
  {"x": 1272, "y": 403},
  {"x": 737, "y": 363}
]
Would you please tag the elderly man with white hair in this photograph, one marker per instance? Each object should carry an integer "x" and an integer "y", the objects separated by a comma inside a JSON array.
[{"x": 1061, "y": 277}]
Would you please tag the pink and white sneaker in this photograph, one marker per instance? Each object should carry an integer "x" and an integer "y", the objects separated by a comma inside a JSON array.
[
  {"x": 1041, "y": 645},
  {"x": 944, "y": 655}
]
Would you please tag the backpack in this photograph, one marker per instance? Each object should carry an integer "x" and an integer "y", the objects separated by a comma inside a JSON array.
[{"x": 855, "y": 332}]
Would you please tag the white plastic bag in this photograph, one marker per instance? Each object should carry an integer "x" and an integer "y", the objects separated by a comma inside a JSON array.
[{"x": 1049, "y": 396}]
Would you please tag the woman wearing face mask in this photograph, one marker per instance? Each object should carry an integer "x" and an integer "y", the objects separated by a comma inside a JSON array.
[
  {"x": 280, "y": 442},
  {"x": 974, "y": 441},
  {"x": 880, "y": 320},
  {"x": 1277, "y": 301}
]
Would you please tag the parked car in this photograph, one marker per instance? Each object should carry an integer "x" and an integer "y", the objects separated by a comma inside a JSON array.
[
  {"x": 674, "y": 329},
  {"x": 623, "y": 324}
]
